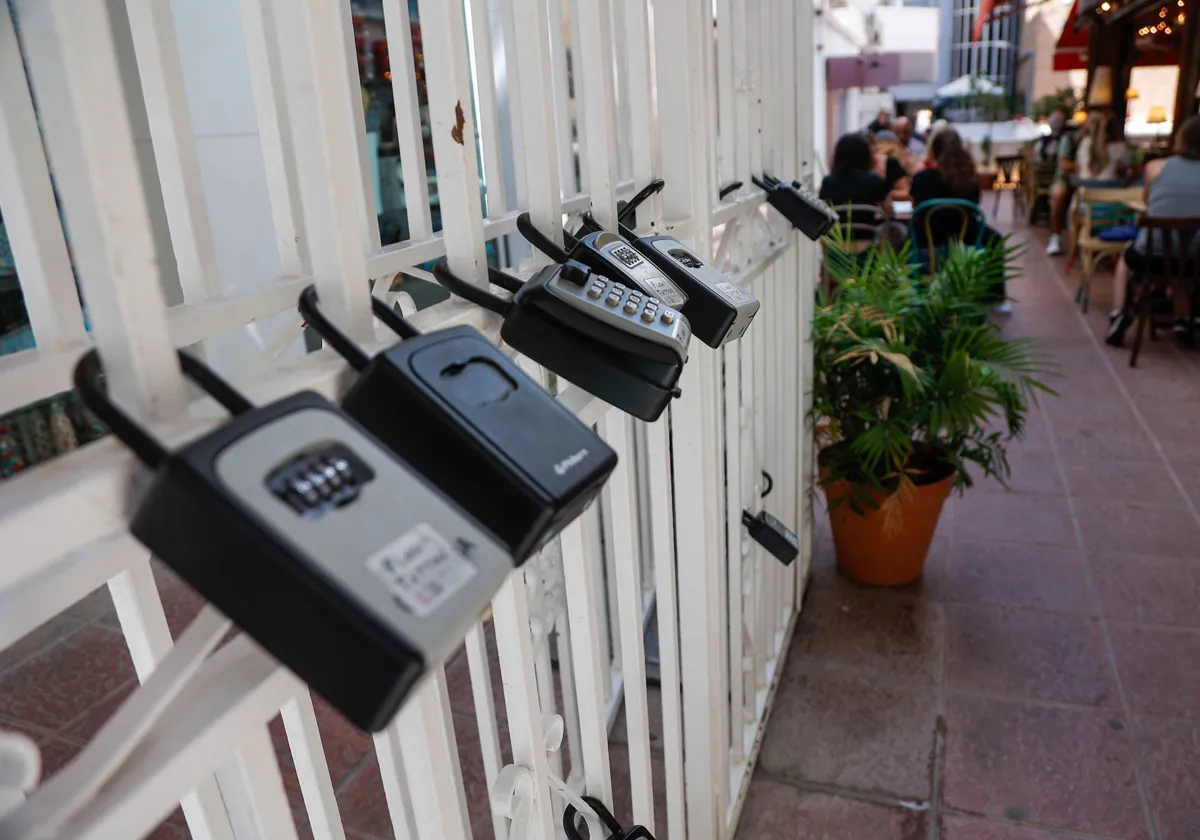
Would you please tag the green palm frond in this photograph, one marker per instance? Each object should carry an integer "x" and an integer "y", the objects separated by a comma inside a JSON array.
[{"x": 909, "y": 374}]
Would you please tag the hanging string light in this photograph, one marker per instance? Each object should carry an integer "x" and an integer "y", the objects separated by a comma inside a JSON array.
[{"x": 1164, "y": 26}]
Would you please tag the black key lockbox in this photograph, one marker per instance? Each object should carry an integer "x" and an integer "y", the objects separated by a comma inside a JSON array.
[
  {"x": 796, "y": 202},
  {"x": 778, "y": 539},
  {"x": 719, "y": 310},
  {"x": 347, "y": 566},
  {"x": 461, "y": 413},
  {"x": 615, "y": 342}
]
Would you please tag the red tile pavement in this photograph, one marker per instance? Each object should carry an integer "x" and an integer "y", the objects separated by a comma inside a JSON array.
[
  {"x": 1057, "y": 627},
  {"x": 1039, "y": 682}
]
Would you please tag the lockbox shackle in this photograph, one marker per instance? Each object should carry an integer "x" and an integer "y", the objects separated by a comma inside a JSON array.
[
  {"x": 767, "y": 182},
  {"x": 630, "y": 207},
  {"x": 474, "y": 294},
  {"x": 338, "y": 340},
  {"x": 149, "y": 451},
  {"x": 541, "y": 241},
  {"x": 599, "y": 809}
]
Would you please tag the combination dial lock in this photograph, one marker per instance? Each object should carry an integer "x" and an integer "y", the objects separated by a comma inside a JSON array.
[
  {"x": 614, "y": 340},
  {"x": 457, "y": 410},
  {"x": 718, "y": 309},
  {"x": 796, "y": 202},
  {"x": 343, "y": 564}
]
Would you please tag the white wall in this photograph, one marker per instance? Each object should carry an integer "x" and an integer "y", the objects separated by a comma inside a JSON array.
[{"x": 908, "y": 28}]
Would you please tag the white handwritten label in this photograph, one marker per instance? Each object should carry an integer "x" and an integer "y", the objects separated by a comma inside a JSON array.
[
  {"x": 735, "y": 293},
  {"x": 421, "y": 570}
]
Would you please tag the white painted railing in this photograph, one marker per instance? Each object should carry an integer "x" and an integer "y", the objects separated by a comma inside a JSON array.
[{"x": 725, "y": 101}]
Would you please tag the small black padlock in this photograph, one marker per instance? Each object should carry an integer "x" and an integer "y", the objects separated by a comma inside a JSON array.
[
  {"x": 611, "y": 824},
  {"x": 613, "y": 341},
  {"x": 293, "y": 520},
  {"x": 807, "y": 213},
  {"x": 779, "y": 540},
  {"x": 719, "y": 310},
  {"x": 461, "y": 413}
]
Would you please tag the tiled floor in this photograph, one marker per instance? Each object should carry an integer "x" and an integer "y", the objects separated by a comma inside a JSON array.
[{"x": 1042, "y": 681}]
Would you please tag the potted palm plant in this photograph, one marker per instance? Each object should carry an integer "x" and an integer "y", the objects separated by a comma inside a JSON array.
[{"x": 912, "y": 388}]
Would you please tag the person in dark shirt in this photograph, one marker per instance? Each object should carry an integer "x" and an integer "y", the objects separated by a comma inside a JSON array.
[
  {"x": 953, "y": 175},
  {"x": 852, "y": 180},
  {"x": 882, "y": 121}
]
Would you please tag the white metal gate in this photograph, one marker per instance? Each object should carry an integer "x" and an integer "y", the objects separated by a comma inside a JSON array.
[{"x": 694, "y": 91}]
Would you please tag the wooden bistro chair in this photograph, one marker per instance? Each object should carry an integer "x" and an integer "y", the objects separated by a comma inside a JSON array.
[
  {"x": 864, "y": 227},
  {"x": 1008, "y": 179},
  {"x": 1169, "y": 269},
  {"x": 1097, "y": 210},
  {"x": 955, "y": 216},
  {"x": 1037, "y": 178}
]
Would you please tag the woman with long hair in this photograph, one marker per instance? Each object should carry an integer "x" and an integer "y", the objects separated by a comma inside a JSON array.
[
  {"x": 1100, "y": 156},
  {"x": 953, "y": 175},
  {"x": 851, "y": 180}
]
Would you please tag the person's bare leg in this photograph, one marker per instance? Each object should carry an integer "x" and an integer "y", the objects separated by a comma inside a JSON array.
[
  {"x": 1119, "y": 284},
  {"x": 1058, "y": 216},
  {"x": 1058, "y": 208}
]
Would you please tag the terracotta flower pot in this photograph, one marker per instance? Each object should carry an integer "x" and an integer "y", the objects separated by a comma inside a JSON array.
[
  {"x": 987, "y": 180},
  {"x": 868, "y": 552}
]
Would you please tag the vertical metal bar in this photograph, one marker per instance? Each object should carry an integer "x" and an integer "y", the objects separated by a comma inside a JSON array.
[
  {"x": 806, "y": 123},
  {"x": 508, "y": 81},
  {"x": 662, "y": 528},
  {"x": 271, "y": 111},
  {"x": 253, "y": 788},
  {"x": 640, "y": 88},
  {"x": 326, "y": 124},
  {"x": 32, "y": 223},
  {"x": 622, "y": 126},
  {"x": 580, "y": 150},
  {"x": 726, "y": 82},
  {"x": 161, "y": 75},
  {"x": 750, "y": 562},
  {"x": 312, "y": 770},
  {"x": 485, "y": 99},
  {"x": 426, "y": 735},
  {"x": 398, "y": 27},
  {"x": 682, "y": 55},
  {"x": 562, "y": 95},
  {"x": 792, "y": 327},
  {"x": 395, "y": 783},
  {"x": 75, "y": 78},
  {"x": 485, "y": 714},
  {"x": 580, "y": 544},
  {"x": 448, "y": 79},
  {"x": 537, "y": 118},
  {"x": 620, "y": 498},
  {"x": 510, "y": 612},
  {"x": 734, "y": 536},
  {"x": 593, "y": 54},
  {"x": 144, "y": 625}
]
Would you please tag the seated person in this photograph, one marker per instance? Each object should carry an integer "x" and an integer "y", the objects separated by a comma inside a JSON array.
[
  {"x": 852, "y": 181},
  {"x": 892, "y": 162},
  {"x": 1061, "y": 188},
  {"x": 914, "y": 144},
  {"x": 1100, "y": 155},
  {"x": 1047, "y": 146},
  {"x": 1172, "y": 190},
  {"x": 953, "y": 175}
]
